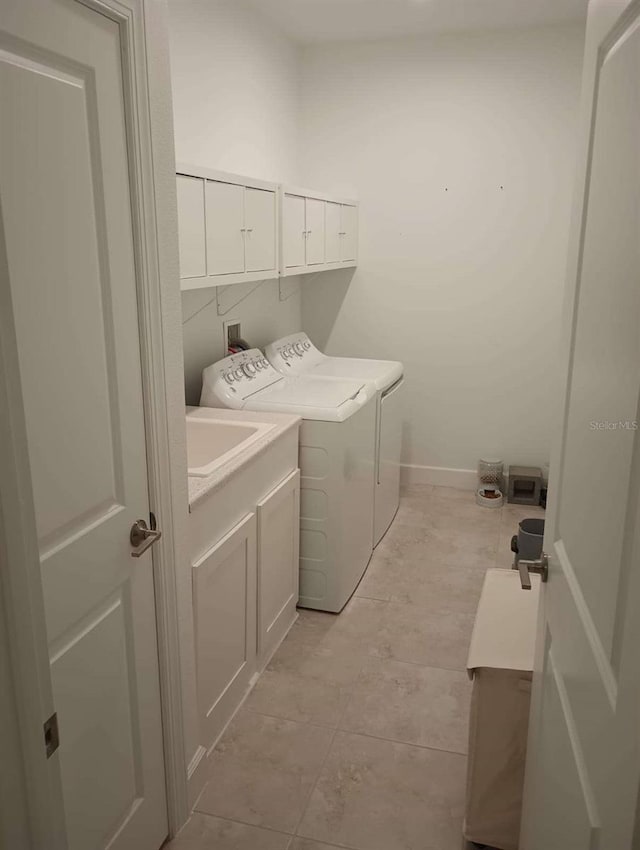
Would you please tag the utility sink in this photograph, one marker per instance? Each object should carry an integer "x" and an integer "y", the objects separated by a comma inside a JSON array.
[{"x": 211, "y": 443}]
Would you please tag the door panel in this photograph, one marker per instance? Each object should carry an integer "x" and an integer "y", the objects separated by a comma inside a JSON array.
[
  {"x": 567, "y": 819},
  {"x": 333, "y": 226},
  {"x": 349, "y": 250},
  {"x": 315, "y": 231},
  {"x": 225, "y": 227},
  {"x": 191, "y": 229},
  {"x": 224, "y": 592},
  {"x": 293, "y": 231},
  {"x": 66, "y": 206},
  {"x": 278, "y": 563},
  {"x": 260, "y": 223},
  {"x": 583, "y": 765}
]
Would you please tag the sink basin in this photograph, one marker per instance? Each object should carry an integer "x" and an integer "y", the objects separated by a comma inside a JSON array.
[{"x": 211, "y": 443}]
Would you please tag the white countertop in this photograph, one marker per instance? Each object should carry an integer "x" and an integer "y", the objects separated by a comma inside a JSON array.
[{"x": 201, "y": 487}]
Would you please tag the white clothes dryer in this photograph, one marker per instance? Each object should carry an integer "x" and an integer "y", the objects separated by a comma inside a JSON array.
[
  {"x": 336, "y": 465},
  {"x": 297, "y": 355}
]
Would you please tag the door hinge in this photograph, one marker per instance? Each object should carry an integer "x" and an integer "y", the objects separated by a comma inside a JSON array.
[{"x": 51, "y": 735}]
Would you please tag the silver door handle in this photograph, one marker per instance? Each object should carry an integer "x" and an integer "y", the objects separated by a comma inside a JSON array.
[
  {"x": 540, "y": 566},
  {"x": 142, "y": 537}
]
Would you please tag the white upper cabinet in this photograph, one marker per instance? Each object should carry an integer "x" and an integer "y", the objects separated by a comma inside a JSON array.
[
  {"x": 259, "y": 230},
  {"x": 349, "y": 233},
  {"x": 318, "y": 232},
  {"x": 314, "y": 213},
  {"x": 234, "y": 229},
  {"x": 294, "y": 231},
  {"x": 227, "y": 228},
  {"x": 333, "y": 240},
  {"x": 191, "y": 232}
]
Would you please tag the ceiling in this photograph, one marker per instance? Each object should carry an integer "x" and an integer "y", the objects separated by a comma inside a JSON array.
[{"x": 313, "y": 21}]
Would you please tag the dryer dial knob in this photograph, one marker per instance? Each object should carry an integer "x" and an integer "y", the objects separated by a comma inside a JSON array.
[
  {"x": 239, "y": 372},
  {"x": 298, "y": 348}
]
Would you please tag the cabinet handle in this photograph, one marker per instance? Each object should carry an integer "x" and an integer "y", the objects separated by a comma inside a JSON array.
[{"x": 249, "y": 229}]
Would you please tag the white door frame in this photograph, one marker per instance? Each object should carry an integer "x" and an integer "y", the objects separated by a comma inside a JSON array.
[{"x": 149, "y": 125}]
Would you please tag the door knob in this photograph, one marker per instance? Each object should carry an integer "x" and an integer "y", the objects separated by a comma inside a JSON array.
[
  {"x": 142, "y": 537},
  {"x": 540, "y": 566}
]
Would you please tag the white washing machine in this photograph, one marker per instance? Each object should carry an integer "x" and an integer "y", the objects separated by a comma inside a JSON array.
[
  {"x": 336, "y": 465},
  {"x": 297, "y": 355}
]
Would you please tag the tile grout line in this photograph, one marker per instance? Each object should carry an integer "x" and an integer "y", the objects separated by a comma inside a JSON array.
[
  {"x": 326, "y": 756},
  {"x": 243, "y": 823},
  {"x": 403, "y": 743}
]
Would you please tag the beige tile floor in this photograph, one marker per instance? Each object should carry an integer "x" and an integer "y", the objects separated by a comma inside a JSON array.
[{"x": 356, "y": 734}]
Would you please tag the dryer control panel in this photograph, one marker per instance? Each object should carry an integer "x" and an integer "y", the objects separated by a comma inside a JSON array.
[{"x": 294, "y": 354}]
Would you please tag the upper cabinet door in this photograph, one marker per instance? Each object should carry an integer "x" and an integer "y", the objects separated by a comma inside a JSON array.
[
  {"x": 260, "y": 230},
  {"x": 191, "y": 235},
  {"x": 225, "y": 228},
  {"x": 293, "y": 231},
  {"x": 333, "y": 226},
  {"x": 315, "y": 231},
  {"x": 349, "y": 238}
]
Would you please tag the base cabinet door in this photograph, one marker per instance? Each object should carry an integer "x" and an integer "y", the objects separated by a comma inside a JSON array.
[
  {"x": 224, "y": 585},
  {"x": 278, "y": 564}
]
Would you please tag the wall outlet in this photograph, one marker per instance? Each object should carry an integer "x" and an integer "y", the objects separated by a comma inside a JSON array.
[{"x": 231, "y": 332}]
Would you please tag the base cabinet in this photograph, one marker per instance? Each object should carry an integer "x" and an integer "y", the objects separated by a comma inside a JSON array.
[
  {"x": 278, "y": 564},
  {"x": 245, "y": 566},
  {"x": 224, "y": 585}
]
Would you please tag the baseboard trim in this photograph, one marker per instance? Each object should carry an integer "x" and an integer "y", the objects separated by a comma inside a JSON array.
[
  {"x": 439, "y": 476},
  {"x": 196, "y": 775}
]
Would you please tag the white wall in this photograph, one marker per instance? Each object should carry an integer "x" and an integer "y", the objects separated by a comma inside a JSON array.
[
  {"x": 460, "y": 149},
  {"x": 235, "y": 91}
]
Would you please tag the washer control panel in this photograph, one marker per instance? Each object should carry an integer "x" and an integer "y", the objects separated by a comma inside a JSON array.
[{"x": 236, "y": 377}]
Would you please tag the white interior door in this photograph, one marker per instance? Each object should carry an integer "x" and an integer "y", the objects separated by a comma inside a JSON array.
[
  {"x": 314, "y": 216},
  {"x": 583, "y": 763},
  {"x": 191, "y": 231},
  {"x": 332, "y": 232},
  {"x": 349, "y": 241},
  {"x": 260, "y": 230},
  {"x": 293, "y": 231},
  {"x": 225, "y": 227},
  {"x": 67, "y": 230}
]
